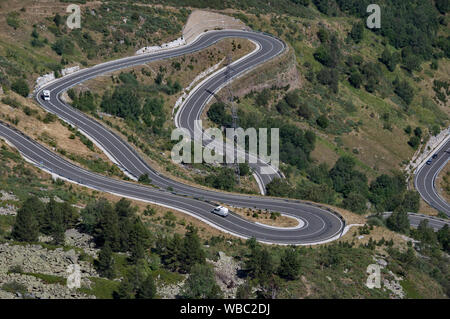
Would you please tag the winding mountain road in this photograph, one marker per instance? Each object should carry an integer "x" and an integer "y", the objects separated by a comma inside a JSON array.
[{"x": 320, "y": 224}]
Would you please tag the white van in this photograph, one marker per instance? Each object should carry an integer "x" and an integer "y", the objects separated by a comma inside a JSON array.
[
  {"x": 221, "y": 211},
  {"x": 46, "y": 95}
]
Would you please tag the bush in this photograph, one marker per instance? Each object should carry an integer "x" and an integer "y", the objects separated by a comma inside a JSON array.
[
  {"x": 322, "y": 121},
  {"x": 414, "y": 142},
  {"x": 403, "y": 90},
  {"x": 20, "y": 86},
  {"x": 63, "y": 46}
]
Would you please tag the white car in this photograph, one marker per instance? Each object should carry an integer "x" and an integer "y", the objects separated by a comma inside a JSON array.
[
  {"x": 221, "y": 211},
  {"x": 46, "y": 95}
]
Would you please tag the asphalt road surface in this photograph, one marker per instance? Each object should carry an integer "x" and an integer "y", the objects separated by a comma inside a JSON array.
[{"x": 426, "y": 177}]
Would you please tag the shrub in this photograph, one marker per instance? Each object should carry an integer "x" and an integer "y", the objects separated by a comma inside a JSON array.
[{"x": 20, "y": 86}]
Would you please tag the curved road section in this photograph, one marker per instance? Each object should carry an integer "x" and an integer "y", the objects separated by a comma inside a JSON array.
[
  {"x": 119, "y": 151},
  {"x": 320, "y": 224},
  {"x": 426, "y": 177}
]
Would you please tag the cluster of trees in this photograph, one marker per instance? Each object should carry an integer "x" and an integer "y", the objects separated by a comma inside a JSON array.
[
  {"x": 329, "y": 55},
  {"x": 84, "y": 101},
  {"x": 403, "y": 90},
  {"x": 116, "y": 228},
  {"x": 130, "y": 101},
  {"x": 415, "y": 139},
  {"x": 386, "y": 193},
  {"x": 35, "y": 218},
  {"x": 264, "y": 273},
  {"x": 224, "y": 179},
  {"x": 181, "y": 253},
  {"x": 411, "y": 24},
  {"x": 429, "y": 239},
  {"x": 295, "y": 144}
]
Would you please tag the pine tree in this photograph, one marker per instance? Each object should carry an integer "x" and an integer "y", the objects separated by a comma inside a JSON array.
[
  {"x": 289, "y": 264},
  {"x": 107, "y": 229},
  {"x": 139, "y": 240},
  {"x": 105, "y": 262},
  {"x": 171, "y": 254},
  {"x": 125, "y": 290},
  {"x": 398, "y": 221},
  {"x": 147, "y": 289},
  {"x": 201, "y": 283},
  {"x": 192, "y": 252},
  {"x": 26, "y": 226}
]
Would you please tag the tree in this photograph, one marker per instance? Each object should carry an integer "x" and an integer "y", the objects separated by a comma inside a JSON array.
[
  {"x": 411, "y": 201},
  {"x": 171, "y": 252},
  {"x": 139, "y": 240},
  {"x": 58, "y": 20},
  {"x": 217, "y": 114},
  {"x": 346, "y": 179},
  {"x": 192, "y": 252},
  {"x": 414, "y": 142},
  {"x": 124, "y": 102},
  {"x": 107, "y": 229},
  {"x": 147, "y": 290},
  {"x": 278, "y": 187},
  {"x": 259, "y": 263},
  {"x": 357, "y": 32},
  {"x": 20, "y": 86},
  {"x": 425, "y": 234},
  {"x": 386, "y": 192},
  {"x": 389, "y": 59},
  {"x": 355, "y": 202},
  {"x": 26, "y": 226},
  {"x": 443, "y": 236},
  {"x": 125, "y": 290},
  {"x": 404, "y": 91},
  {"x": 244, "y": 169},
  {"x": 292, "y": 98},
  {"x": 201, "y": 284},
  {"x": 289, "y": 264},
  {"x": 355, "y": 79},
  {"x": 57, "y": 218},
  {"x": 322, "y": 121},
  {"x": 92, "y": 213},
  {"x": 244, "y": 291},
  {"x": 144, "y": 179},
  {"x": 105, "y": 262},
  {"x": 63, "y": 46},
  {"x": 398, "y": 221}
]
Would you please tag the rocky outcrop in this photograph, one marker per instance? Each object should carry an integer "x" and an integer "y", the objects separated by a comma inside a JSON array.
[
  {"x": 22, "y": 265},
  {"x": 226, "y": 270}
]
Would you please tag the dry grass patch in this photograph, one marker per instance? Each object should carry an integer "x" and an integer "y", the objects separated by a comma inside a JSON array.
[
  {"x": 54, "y": 134},
  {"x": 264, "y": 217}
]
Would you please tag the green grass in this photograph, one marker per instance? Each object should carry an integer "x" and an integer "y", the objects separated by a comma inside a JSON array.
[
  {"x": 410, "y": 289},
  {"x": 101, "y": 288},
  {"x": 48, "y": 279}
]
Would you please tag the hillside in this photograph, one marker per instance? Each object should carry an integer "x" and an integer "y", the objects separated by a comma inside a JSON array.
[{"x": 353, "y": 106}]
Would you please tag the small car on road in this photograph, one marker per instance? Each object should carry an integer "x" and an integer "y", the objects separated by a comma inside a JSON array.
[
  {"x": 46, "y": 95},
  {"x": 221, "y": 211}
]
